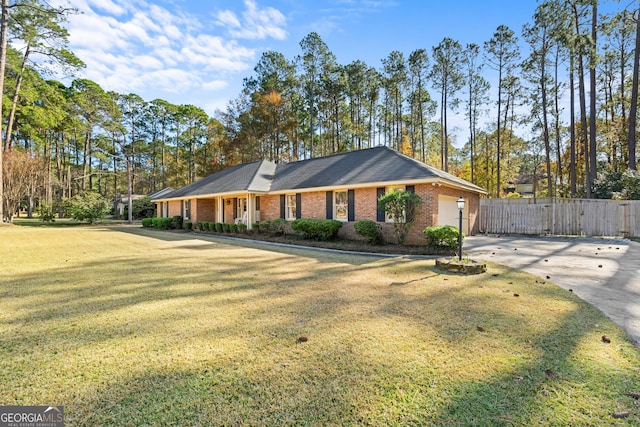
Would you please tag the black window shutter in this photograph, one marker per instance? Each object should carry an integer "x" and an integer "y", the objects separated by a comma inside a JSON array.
[
  {"x": 298, "y": 205},
  {"x": 329, "y": 204},
  {"x": 257, "y": 203},
  {"x": 379, "y": 212},
  {"x": 351, "y": 200},
  {"x": 182, "y": 208},
  {"x": 282, "y": 206},
  {"x": 410, "y": 207}
]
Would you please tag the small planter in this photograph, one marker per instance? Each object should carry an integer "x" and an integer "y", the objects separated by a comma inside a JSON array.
[{"x": 464, "y": 266}]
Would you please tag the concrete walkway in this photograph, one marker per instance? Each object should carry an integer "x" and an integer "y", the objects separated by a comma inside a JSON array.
[{"x": 604, "y": 272}]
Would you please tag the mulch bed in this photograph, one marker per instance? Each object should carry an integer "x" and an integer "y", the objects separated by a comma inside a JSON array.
[{"x": 340, "y": 244}]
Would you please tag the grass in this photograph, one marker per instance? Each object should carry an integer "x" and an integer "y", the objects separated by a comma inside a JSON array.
[{"x": 132, "y": 327}]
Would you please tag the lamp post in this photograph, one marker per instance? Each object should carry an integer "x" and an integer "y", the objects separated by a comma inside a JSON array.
[{"x": 460, "y": 204}]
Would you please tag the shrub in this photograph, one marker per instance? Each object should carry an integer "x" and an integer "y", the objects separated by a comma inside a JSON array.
[
  {"x": 442, "y": 237},
  {"x": 263, "y": 227},
  {"x": 162, "y": 223},
  {"x": 402, "y": 207},
  {"x": 46, "y": 212},
  {"x": 225, "y": 227},
  {"x": 199, "y": 224},
  {"x": 176, "y": 222},
  {"x": 187, "y": 225},
  {"x": 255, "y": 227},
  {"x": 147, "y": 222},
  {"x": 371, "y": 230},
  {"x": 242, "y": 228},
  {"x": 142, "y": 208},
  {"x": 88, "y": 206},
  {"x": 278, "y": 227},
  {"x": 233, "y": 228},
  {"x": 317, "y": 229}
]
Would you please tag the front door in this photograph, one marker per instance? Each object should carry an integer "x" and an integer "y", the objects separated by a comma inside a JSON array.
[{"x": 242, "y": 210}]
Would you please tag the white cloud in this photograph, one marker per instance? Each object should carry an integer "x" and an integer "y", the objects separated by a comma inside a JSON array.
[
  {"x": 139, "y": 46},
  {"x": 214, "y": 85},
  {"x": 257, "y": 23},
  {"x": 108, "y": 6}
]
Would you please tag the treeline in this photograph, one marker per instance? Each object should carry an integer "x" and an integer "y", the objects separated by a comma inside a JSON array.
[{"x": 85, "y": 138}]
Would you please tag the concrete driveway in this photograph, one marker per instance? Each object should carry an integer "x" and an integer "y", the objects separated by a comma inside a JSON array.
[{"x": 604, "y": 272}]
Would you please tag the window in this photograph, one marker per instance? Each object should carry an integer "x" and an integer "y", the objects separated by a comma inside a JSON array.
[
  {"x": 187, "y": 209},
  {"x": 341, "y": 205},
  {"x": 290, "y": 207}
]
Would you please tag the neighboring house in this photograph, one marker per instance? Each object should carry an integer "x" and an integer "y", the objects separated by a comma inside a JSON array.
[
  {"x": 343, "y": 186},
  {"x": 121, "y": 201},
  {"x": 524, "y": 185}
]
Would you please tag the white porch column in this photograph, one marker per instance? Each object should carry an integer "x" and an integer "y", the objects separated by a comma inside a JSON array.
[
  {"x": 251, "y": 210},
  {"x": 219, "y": 209}
]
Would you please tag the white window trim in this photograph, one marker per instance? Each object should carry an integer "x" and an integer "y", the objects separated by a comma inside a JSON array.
[
  {"x": 187, "y": 209},
  {"x": 345, "y": 205},
  {"x": 290, "y": 207}
]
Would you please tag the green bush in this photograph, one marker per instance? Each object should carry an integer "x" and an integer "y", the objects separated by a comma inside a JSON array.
[
  {"x": 218, "y": 227},
  {"x": 187, "y": 225},
  {"x": 317, "y": 229},
  {"x": 147, "y": 222},
  {"x": 88, "y": 206},
  {"x": 371, "y": 230},
  {"x": 233, "y": 228},
  {"x": 225, "y": 227},
  {"x": 176, "y": 222},
  {"x": 402, "y": 207},
  {"x": 255, "y": 227},
  {"x": 278, "y": 227},
  {"x": 242, "y": 228},
  {"x": 162, "y": 223},
  {"x": 263, "y": 227},
  {"x": 442, "y": 237},
  {"x": 142, "y": 208},
  {"x": 46, "y": 212}
]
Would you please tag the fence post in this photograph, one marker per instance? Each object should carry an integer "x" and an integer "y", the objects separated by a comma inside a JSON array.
[{"x": 625, "y": 222}]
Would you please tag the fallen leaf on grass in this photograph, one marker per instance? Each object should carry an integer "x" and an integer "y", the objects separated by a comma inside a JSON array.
[
  {"x": 480, "y": 329},
  {"x": 550, "y": 373},
  {"x": 516, "y": 295},
  {"x": 623, "y": 414},
  {"x": 634, "y": 394},
  {"x": 606, "y": 339},
  {"x": 302, "y": 339}
]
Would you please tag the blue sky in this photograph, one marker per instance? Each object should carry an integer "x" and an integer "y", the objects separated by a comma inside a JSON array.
[{"x": 198, "y": 51}]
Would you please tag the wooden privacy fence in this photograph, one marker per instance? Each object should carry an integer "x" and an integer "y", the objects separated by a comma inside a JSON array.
[{"x": 571, "y": 217}]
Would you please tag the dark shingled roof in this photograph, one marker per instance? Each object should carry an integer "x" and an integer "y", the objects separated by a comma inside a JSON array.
[
  {"x": 255, "y": 176},
  {"x": 379, "y": 164},
  {"x": 373, "y": 165}
]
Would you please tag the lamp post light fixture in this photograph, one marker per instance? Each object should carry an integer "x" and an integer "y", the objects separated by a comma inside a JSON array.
[{"x": 460, "y": 204}]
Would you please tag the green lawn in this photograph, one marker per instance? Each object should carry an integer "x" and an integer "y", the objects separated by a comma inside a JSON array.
[{"x": 131, "y": 327}]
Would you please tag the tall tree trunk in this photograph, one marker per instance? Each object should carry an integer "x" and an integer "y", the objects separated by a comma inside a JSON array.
[
  {"x": 499, "y": 131},
  {"x": 631, "y": 143},
  {"x": 592, "y": 104},
  {"x": 557, "y": 121},
  {"x": 14, "y": 104},
  {"x": 545, "y": 124},
  {"x": 4, "y": 23}
]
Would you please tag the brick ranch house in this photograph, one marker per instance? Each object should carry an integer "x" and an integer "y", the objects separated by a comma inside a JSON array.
[{"x": 343, "y": 186}]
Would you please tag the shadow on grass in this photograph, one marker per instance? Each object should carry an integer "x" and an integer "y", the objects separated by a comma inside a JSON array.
[{"x": 189, "y": 337}]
